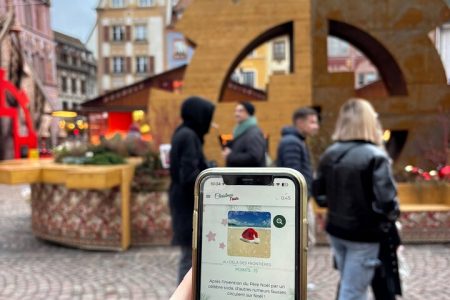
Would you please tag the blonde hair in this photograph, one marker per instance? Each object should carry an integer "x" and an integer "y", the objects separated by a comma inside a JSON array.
[{"x": 358, "y": 121}]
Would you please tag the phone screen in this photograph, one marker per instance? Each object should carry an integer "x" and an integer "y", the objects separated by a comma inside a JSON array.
[{"x": 247, "y": 248}]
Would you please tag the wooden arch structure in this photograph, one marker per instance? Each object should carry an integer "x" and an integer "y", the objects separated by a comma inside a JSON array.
[{"x": 393, "y": 34}]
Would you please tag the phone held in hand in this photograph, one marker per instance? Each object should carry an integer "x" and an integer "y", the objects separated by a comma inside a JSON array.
[{"x": 250, "y": 234}]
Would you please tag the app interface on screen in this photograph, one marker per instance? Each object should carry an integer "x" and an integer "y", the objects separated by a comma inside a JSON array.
[{"x": 248, "y": 242}]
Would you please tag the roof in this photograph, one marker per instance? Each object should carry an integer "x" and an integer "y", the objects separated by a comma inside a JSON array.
[
  {"x": 110, "y": 99},
  {"x": 135, "y": 96},
  {"x": 67, "y": 39}
]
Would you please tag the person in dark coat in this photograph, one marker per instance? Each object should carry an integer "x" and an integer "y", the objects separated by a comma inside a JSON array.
[
  {"x": 248, "y": 147},
  {"x": 354, "y": 180},
  {"x": 186, "y": 162},
  {"x": 292, "y": 150},
  {"x": 293, "y": 153}
]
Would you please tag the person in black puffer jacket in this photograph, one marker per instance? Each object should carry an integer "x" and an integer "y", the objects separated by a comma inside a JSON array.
[
  {"x": 293, "y": 153},
  {"x": 186, "y": 162},
  {"x": 292, "y": 150},
  {"x": 248, "y": 147},
  {"x": 355, "y": 182}
]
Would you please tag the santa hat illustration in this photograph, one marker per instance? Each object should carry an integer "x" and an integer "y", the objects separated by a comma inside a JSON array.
[{"x": 250, "y": 236}]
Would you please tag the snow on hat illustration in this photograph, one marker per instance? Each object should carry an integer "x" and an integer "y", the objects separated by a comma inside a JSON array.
[{"x": 250, "y": 236}]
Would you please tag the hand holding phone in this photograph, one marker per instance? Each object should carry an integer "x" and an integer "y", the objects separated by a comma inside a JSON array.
[
  {"x": 250, "y": 234},
  {"x": 184, "y": 290}
]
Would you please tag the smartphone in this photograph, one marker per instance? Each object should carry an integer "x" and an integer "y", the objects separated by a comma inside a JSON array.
[{"x": 250, "y": 234}]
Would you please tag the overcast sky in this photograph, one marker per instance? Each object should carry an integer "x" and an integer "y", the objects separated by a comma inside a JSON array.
[{"x": 74, "y": 17}]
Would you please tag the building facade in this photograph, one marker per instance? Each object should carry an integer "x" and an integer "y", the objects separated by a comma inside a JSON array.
[
  {"x": 131, "y": 44},
  {"x": 77, "y": 71},
  {"x": 27, "y": 55},
  {"x": 32, "y": 20},
  {"x": 271, "y": 58}
]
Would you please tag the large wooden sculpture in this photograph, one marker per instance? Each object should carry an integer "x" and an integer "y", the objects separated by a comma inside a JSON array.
[{"x": 412, "y": 95}]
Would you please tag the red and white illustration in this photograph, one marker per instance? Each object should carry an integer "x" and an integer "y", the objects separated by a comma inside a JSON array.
[{"x": 250, "y": 235}]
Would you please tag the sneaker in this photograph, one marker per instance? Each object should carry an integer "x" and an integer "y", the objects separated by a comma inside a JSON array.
[{"x": 250, "y": 235}]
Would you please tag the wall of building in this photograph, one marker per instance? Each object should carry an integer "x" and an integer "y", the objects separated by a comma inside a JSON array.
[
  {"x": 118, "y": 59},
  {"x": 76, "y": 68},
  {"x": 33, "y": 19}
]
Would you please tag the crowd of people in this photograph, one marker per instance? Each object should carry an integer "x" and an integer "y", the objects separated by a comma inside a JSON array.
[{"x": 353, "y": 180}]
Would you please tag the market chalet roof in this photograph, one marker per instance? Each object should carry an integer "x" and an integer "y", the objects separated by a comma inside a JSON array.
[{"x": 128, "y": 98}]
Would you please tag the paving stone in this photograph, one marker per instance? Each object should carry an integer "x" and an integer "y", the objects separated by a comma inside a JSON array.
[{"x": 34, "y": 269}]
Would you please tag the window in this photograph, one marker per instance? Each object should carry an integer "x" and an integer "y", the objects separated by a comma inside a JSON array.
[
  {"x": 83, "y": 87},
  {"x": 28, "y": 13},
  {"x": 64, "y": 84},
  {"x": 118, "y": 65},
  {"x": 38, "y": 18},
  {"x": 74, "y": 86},
  {"x": 64, "y": 58},
  {"x": 179, "y": 49},
  {"x": 248, "y": 78},
  {"x": 371, "y": 77},
  {"x": 235, "y": 77},
  {"x": 141, "y": 64},
  {"x": 360, "y": 79},
  {"x": 337, "y": 47},
  {"x": 146, "y": 3},
  {"x": 117, "y": 3},
  {"x": 279, "y": 50},
  {"x": 140, "y": 32},
  {"x": 118, "y": 33}
]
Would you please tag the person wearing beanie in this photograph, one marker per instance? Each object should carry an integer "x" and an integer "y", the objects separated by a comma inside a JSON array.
[
  {"x": 186, "y": 162},
  {"x": 248, "y": 147}
]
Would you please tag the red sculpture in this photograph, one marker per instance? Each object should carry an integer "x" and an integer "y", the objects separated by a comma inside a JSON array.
[{"x": 6, "y": 111}]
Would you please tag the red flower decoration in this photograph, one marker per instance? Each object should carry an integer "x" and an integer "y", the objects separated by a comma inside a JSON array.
[
  {"x": 426, "y": 176},
  {"x": 444, "y": 172}
]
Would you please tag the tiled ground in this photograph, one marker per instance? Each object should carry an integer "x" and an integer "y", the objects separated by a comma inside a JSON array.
[{"x": 33, "y": 269}]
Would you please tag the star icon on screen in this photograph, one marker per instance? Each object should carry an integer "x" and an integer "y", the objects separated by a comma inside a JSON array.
[
  {"x": 222, "y": 246},
  {"x": 211, "y": 236}
]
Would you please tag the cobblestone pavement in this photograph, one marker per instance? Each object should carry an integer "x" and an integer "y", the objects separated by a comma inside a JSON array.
[{"x": 33, "y": 269}]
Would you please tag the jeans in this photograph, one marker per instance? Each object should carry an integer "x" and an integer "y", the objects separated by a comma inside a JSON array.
[
  {"x": 311, "y": 224},
  {"x": 185, "y": 262},
  {"x": 356, "y": 262}
]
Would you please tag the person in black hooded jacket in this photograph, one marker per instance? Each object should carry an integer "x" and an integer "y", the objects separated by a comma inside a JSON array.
[{"x": 186, "y": 162}]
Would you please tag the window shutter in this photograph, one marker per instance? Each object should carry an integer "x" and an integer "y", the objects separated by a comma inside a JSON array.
[
  {"x": 151, "y": 64},
  {"x": 106, "y": 33},
  {"x": 106, "y": 65},
  {"x": 128, "y": 65},
  {"x": 128, "y": 33}
]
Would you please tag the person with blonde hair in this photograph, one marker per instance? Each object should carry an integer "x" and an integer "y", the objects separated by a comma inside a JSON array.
[{"x": 354, "y": 180}]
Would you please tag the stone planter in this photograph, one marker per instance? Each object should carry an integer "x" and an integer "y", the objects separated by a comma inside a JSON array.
[
  {"x": 425, "y": 213},
  {"x": 427, "y": 192},
  {"x": 151, "y": 222}
]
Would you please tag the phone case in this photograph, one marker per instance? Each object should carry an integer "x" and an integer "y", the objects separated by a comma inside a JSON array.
[{"x": 303, "y": 241}]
